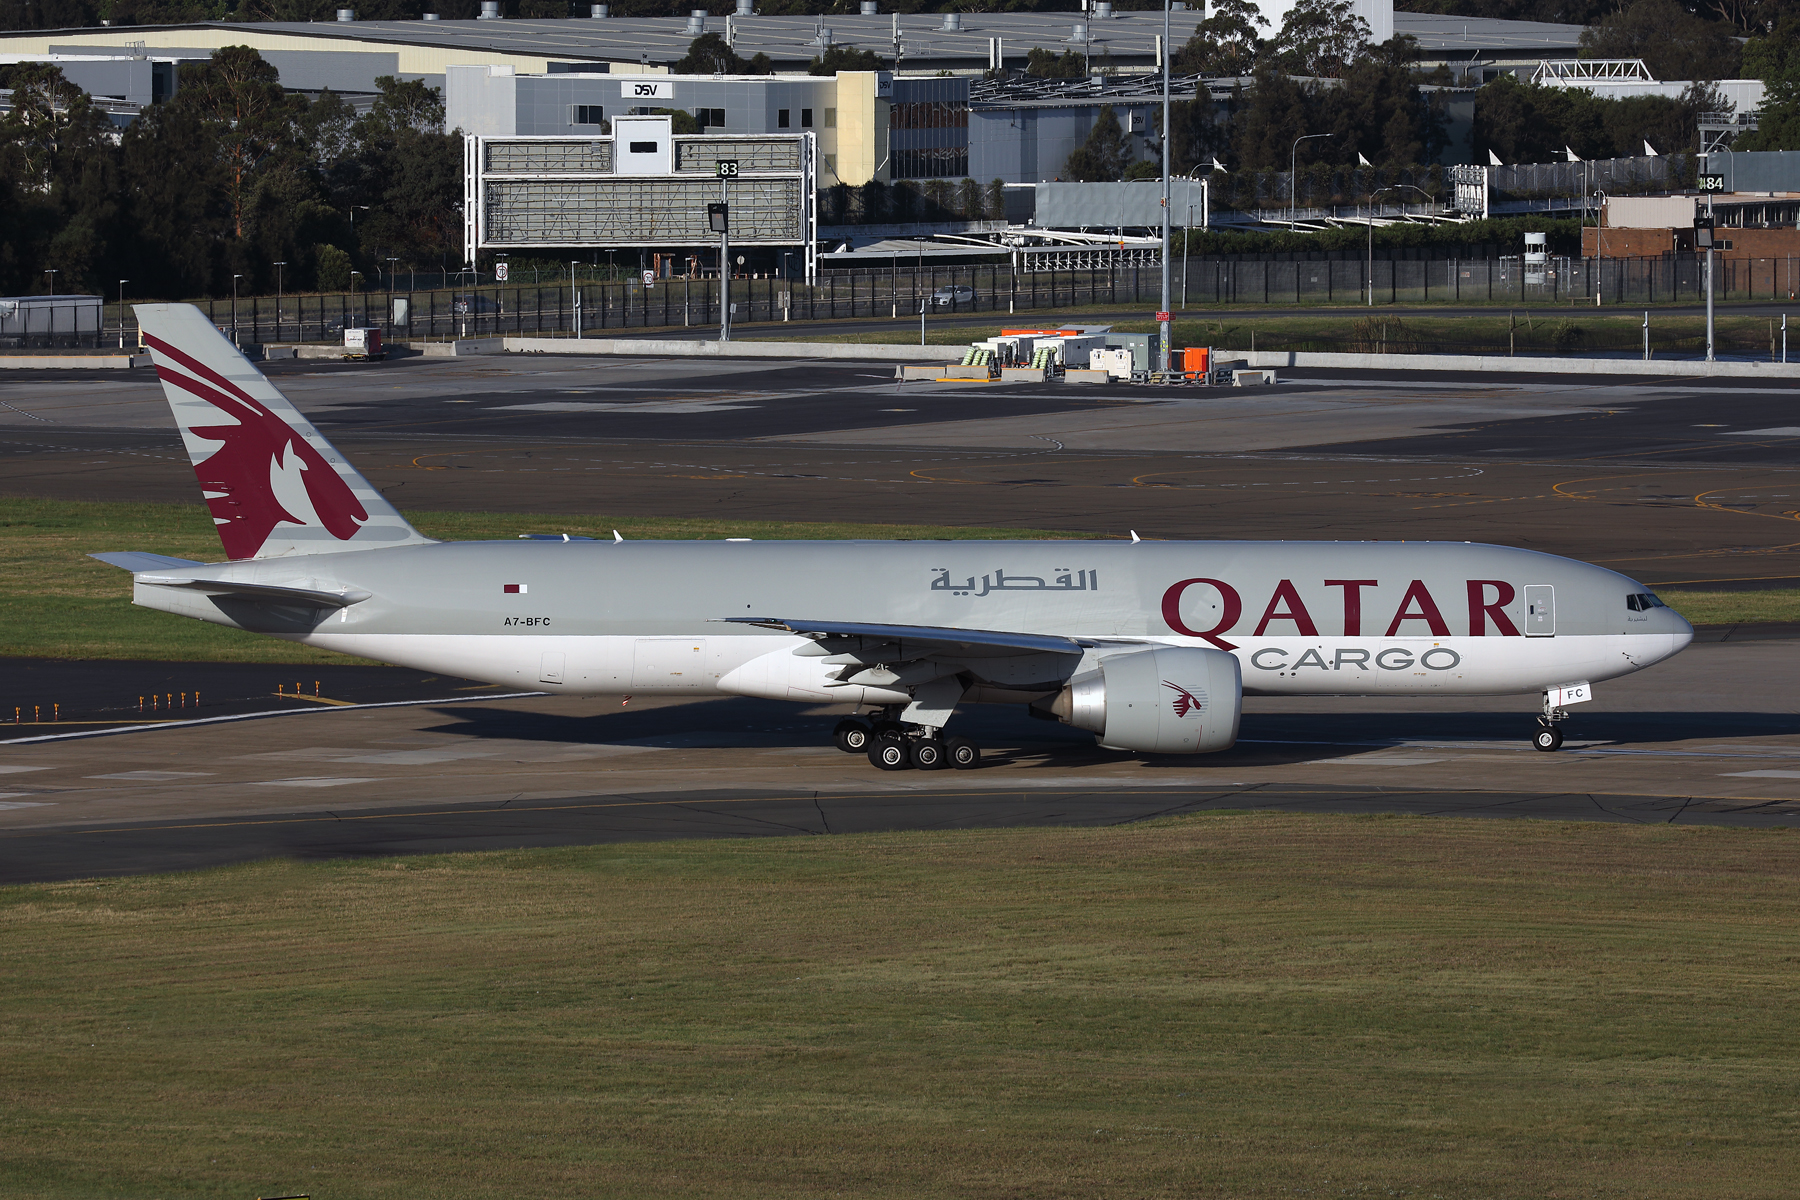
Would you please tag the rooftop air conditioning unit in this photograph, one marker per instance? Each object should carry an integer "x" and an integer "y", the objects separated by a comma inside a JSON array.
[
  {"x": 870, "y": 8},
  {"x": 952, "y": 23},
  {"x": 428, "y": 17},
  {"x": 346, "y": 14},
  {"x": 599, "y": 12},
  {"x": 1103, "y": 10},
  {"x": 697, "y": 21},
  {"x": 746, "y": 8},
  {"x": 490, "y": 10}
]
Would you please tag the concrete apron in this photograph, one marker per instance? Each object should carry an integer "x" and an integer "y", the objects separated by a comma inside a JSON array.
[{"x": 1474, "y": 364}]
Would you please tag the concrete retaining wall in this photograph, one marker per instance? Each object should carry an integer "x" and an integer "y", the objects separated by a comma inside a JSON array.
[
  {"x": 42, "y": 362},
  {"x": 1472, "y": 364},
  {"x": 673, "y": 348}
]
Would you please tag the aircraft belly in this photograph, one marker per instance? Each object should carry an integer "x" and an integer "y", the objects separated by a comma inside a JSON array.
[{"x": 568, "y": 664}]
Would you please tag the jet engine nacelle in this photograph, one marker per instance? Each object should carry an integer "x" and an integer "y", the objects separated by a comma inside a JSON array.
[{"x": 1170, "y": 700}]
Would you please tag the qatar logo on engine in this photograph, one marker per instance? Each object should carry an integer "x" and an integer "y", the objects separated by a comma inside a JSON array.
[{"x": 1185, "y": 701}]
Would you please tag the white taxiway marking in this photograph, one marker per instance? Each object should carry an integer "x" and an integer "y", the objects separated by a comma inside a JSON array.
[
  {"x": 12, "y": 770},
  {"x": 1761, "y": 775},
  {"x": 4, "y": 804},
  {"x": 1395, "y": 760},
  {"x": 1778, "y": 431},
  {"x": 599, "y": 406},
  {"x": 153, "y": 776},
  {"x": 314, "y": 782}
]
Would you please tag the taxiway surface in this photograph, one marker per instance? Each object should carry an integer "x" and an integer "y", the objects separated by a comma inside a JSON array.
[{"x": 1670, "y": 480}]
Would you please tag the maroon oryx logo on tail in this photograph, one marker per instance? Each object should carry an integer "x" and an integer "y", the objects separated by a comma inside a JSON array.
[{"x": 1185, "y": 701}]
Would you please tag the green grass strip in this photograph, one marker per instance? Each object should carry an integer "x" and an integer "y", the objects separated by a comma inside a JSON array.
[
  {"x": 55, "y": 602},
  {"x": 1236, "y": 1006}
]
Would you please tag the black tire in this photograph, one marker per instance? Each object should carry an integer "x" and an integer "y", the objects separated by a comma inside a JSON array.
[
  {"x": 928, "y": 755},
  {"x": 1548, "y": 738},
  {"x": 963, "y": 754},
  {"x": 852, "y": 737},
  {"x": 890, "y": 755}
]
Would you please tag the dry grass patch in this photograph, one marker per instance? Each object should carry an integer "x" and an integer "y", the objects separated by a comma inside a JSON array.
[{"x": 1224, "y": 1005}]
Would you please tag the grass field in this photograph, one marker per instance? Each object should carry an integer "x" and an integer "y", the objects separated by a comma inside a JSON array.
[
  {"x": 55, "y": 602},
  {"x": 1561, "y": 331},
  {"x": 1227, "y": 1005}
]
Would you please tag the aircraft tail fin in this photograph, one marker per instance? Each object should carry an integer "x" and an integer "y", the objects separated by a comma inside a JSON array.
[{"x": 274, "y": 485}]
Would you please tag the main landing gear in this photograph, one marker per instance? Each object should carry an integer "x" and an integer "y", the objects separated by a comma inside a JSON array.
[{"x": 899, "y": 746}]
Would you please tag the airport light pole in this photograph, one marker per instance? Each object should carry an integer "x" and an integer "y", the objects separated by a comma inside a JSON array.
[
  {"x": 123, "y": 282},
  {"x": 574, "y": 290},
  {"x": 50, "y": 287},
  {"x": 278, "y": 267},
  {"x": 924, "y": 299},
  {"x": 718, "y": 216},
  {"x": 1163, "y": 314},
  {"x": 1294, "y": 172},
  {"x": 1392, "y": 187}
]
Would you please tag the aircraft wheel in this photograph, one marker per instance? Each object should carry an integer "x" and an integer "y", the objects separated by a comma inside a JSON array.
[
  {"x": 963, "y": 754},
  {"x": 890, "y": 755},
  {"x": 928, "y": 755},
  {"x": 890, "y": 729},
  {"x": 852, "y": 737},
  {"x": 1548, "y": 738}
]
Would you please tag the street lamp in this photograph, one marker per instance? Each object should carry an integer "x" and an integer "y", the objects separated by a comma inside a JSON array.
[
  {"x": 353, "y": 209},
  {"x": 1294, "y": 172},
  {"x": 573, "y": 287},
  {"x": 234, "y": 329},
  {"x": 278, "y": 267},
  {"x": 122, "y": 284},
  {"x": 392, "y": 259},
  {"x": 1392, "y": 187},
  {"x": 924, "y": 299},
  {"x": 51, "y": 285}
]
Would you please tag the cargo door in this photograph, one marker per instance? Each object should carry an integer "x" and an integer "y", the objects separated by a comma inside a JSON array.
[
  {"x": 550, "y": 669},
  {"x": 1540, "y": 610},
  {"x": 669, "y": 663}
]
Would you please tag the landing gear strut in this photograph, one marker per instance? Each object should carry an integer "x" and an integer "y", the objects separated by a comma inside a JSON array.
[
  {"x": 899, "y": 746},
  {"x": 1549, "y": 735}
]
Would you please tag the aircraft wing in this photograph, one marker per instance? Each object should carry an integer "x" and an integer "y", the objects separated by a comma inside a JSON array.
[{"x": 918, "y": 641}]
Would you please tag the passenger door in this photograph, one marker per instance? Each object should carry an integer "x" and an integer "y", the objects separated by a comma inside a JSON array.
[{"x": 1540, "y": 610}]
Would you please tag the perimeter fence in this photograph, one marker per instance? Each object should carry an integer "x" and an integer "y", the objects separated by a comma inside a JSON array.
[{"x": 491, "y": 310}]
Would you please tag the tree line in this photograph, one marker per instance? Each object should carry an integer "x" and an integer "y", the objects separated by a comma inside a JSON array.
[{"x": 229, "y": 177}]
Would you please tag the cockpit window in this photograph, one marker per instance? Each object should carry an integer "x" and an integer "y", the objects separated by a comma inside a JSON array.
[{"x": 1643, "y": 602}]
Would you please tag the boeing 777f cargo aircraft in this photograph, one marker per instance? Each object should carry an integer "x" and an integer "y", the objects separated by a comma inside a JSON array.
[{"x": 1150, "y": 645}]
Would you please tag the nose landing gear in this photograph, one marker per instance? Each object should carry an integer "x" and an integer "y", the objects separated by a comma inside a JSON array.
[
  {"x": 899, "y": 746},
  {"x": 1549, "y": 735}
]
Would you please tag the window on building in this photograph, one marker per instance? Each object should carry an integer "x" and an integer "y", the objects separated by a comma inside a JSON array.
[
  {"x": 710, "y": 118},
  {"x": 781, "y": 118},
  {"x": 589, "y": 114},
  {"x": 806, "y": 118},
  {"x": 831, "y": 118},
  {"x": 643, "y": 147}
]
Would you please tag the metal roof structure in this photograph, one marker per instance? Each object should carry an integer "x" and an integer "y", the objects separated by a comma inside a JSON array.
[
  {"x": 1128, "y": 37},
  {"x": 1447, "y": 36}
]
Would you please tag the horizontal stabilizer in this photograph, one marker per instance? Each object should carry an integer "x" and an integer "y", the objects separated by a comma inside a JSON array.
[
  {"x": 949, "y": 638},
  {"x": 311, "y": 597},
  {"x": 139, "y": 560}
]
